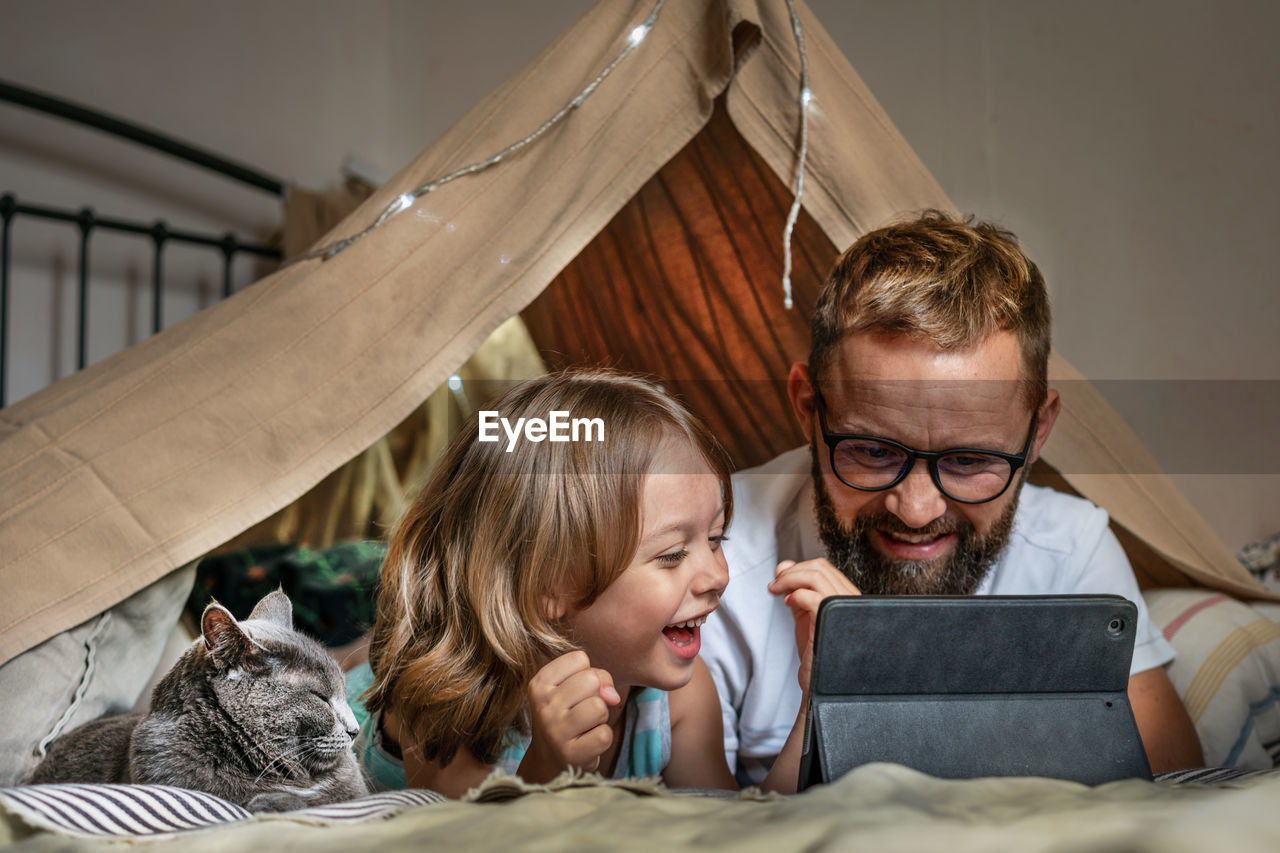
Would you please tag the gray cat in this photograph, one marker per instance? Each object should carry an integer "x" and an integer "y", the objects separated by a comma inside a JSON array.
[{"x": 254, "y": 712}]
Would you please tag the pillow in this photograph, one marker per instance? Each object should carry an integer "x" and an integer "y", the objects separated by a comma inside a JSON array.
[
  {"x": 1227, "y": 672},
  {"x": 121, "y": 811},
  {"x": 96, "y": 668}
]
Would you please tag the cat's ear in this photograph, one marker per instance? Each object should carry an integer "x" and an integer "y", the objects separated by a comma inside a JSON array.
[
  {"x": 275, "y": 607},
  {"x": 227, "y": 643}
]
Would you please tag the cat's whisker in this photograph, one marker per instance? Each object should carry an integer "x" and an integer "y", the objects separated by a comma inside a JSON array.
[{"x": 281, "y": 758}]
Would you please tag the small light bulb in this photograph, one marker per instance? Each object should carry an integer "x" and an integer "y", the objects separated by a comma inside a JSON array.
[
  {"x": 638, "y": 34},
  {"x": 504, "y": 259},
  {"x": 805, "y": 96},
  {"x": 455, "y": 382},
  {"x": 405, "y": 201}
]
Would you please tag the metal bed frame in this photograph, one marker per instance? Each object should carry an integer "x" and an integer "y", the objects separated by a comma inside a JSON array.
[{"x": 87, "y": 221}]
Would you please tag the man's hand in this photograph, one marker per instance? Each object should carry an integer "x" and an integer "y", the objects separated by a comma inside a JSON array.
[
  {"x": 804, "y": 586},
  {"x": 569, "y": 709}
]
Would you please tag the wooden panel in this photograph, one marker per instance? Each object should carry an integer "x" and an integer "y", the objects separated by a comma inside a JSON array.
[{"x": 685, "y": 285}]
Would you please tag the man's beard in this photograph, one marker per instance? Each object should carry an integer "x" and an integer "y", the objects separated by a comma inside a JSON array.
[{"x": 957, "y": 573}]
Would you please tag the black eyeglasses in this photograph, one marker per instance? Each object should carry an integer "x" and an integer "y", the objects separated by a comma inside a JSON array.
[{"x": 966, "y": 475}]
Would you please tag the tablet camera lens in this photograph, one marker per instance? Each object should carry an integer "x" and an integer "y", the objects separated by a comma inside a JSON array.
[{"x": 1115, "y": 626}]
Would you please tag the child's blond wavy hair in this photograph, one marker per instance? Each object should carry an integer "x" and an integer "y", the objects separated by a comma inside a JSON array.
[{"x": 462, "y": 619}]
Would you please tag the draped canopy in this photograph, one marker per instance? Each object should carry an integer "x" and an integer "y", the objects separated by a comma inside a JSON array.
[{"x": 145, "y": 461}]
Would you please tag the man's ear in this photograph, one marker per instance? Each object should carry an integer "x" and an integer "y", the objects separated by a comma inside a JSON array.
[
  {"x": 1047, "y": 415},
  {"x": 800, "y": 390}
]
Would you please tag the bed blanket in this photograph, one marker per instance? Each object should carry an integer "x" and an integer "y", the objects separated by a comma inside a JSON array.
[{"x": 876, "y": 807}]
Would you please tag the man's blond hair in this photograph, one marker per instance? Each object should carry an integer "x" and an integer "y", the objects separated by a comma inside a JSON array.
[{"x": 948, "y": 281}]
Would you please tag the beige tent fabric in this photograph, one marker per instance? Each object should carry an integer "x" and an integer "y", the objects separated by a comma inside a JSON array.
[
  {"x": 309, "y": 215},
  {"x": 1103, "y": 460},
  {"x": 153, "y": 457},
  {"x": 364, "y": 497}
]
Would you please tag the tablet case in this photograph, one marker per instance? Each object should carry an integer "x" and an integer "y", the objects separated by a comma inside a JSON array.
[{"x": 961, "y": 687}]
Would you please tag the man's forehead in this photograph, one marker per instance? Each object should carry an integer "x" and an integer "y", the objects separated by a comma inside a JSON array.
[
  {"x": 875, "y": 356},
  {"x": 959, "y": 394},
  {"x": 968, "y": 400},
  {"x": 912, "y": 390}
]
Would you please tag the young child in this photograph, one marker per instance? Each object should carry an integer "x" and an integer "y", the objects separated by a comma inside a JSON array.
[{"x": 540, "y": 603}]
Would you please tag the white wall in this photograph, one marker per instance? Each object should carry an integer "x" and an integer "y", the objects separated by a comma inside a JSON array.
[
  {"x": 1131, "y": 146},
  {"x": 290, "y": 87}
]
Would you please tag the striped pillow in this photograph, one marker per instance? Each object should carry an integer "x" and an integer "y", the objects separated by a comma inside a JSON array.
[
  {"x": 114, "y": 811},
  {"x": 1227, "y": 672}
]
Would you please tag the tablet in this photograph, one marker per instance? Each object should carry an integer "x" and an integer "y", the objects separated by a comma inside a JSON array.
[{"x": 960, "y": 687}]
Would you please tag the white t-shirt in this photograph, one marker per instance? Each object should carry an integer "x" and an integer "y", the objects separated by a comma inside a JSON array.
[{"x": 1059, "y": 545}]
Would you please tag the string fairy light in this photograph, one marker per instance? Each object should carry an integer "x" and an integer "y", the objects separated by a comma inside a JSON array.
[
  {"x": 406, "y": 200},
  {"x": 806, "y": 98},
  {"x": 634, "y": 39}
]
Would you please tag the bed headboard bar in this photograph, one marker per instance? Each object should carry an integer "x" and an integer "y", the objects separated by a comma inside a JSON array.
[
  {"x": 30, "y": 98},
  {"x": 87, "y": 220}
]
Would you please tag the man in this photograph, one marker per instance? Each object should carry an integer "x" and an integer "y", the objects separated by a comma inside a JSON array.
[{"x": 925, "y": 402}]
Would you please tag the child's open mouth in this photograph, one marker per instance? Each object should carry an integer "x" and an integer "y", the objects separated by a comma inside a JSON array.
[{"x": 684, "y": 637}]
